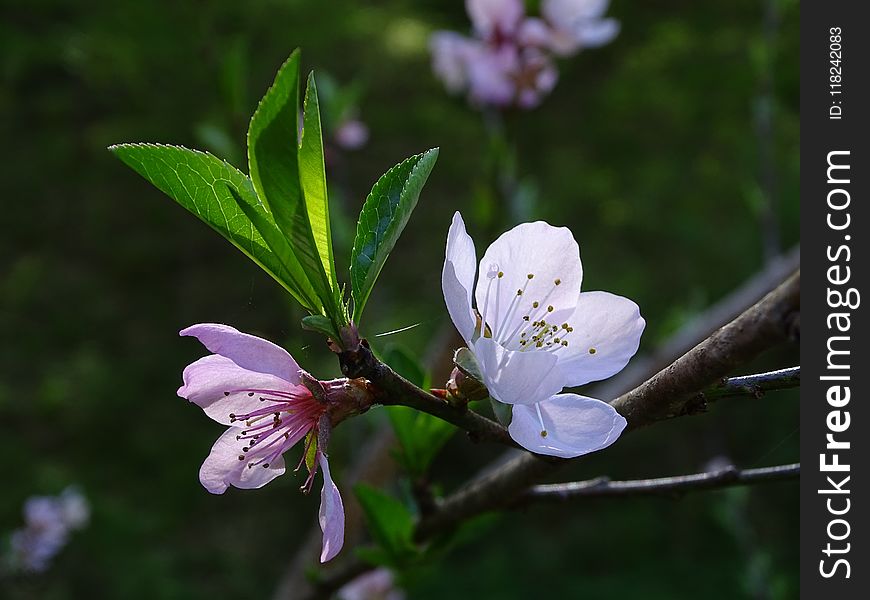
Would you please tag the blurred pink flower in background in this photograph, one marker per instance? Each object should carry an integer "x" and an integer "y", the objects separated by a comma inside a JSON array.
[
  {"x": 379, "y": 584},
  {"x": 509, "y": 59},
  {"x": 48, "y": 522}
]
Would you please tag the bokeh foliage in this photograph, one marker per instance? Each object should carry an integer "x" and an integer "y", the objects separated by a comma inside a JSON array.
[{"x": 647, "y": 150}]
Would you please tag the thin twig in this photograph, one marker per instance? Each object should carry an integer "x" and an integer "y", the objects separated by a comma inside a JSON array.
[
  {"x": 701, "y": 326},
  {"x": 669, "y": 486},
  {"x": 391, "y": 389},
  {"x": 756, "y": 385}
]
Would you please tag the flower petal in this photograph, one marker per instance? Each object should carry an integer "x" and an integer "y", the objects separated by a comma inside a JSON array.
[
  {"x": 575, "y": 425},
  {"x": 550, "y": 255},
  {"x": 207, "y": 380},
  {"x": 450, "y": 52},
  {"x": 515, "y": 377},
  {"x": 248, "y": 351},
  {"x": 491, "y": 75},
  {"x": 331, "y": 515},
  {"x": 569, "y": 13},
  {"x": 491, "y": 16},
  {"x": 607, "y": 330},
  {"x": 457, "y": 277},
  {"x": 222, "y": 467},
  {"x": 533, "y": 32},
  {"x": 597, "y": 33}
]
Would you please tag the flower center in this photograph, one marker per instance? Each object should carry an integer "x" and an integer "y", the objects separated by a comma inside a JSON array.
[
  {"x": 285, "y": 418},
  {"x": 523, "y": 325}
]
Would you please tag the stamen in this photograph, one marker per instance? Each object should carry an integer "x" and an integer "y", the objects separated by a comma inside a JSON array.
[
  {"x": 592, "y": 350},
  {"x": 541, "y": 420}
]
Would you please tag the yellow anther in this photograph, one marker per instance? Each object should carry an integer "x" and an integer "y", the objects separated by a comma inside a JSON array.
[
  {"x": 519, "y": 292},
  {"x": 550, "y": 308},
  {"x": 558, "y": 281},
  {"x": 535, "y": 304},
  {"x": 500, "y": 274},
  {"x": 531, "y": 275},
  {"x": 592, "y": 350}
]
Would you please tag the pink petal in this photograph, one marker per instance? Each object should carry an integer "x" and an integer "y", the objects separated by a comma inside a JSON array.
[
  {"x": 491, "y": 75},
  {"x": 248, "y": 351},
  {"x": 607, "y": 330},
  {"x": 331, "y": 515},
  {"x": 491, "y": 16},
  {"x": 533, "y": 32},
  {"x": 450, "y": 52},
  {"x": 222, "y": 467},
  {"x": 207, "y": 380},
  {"x": 575, "y": 425}
]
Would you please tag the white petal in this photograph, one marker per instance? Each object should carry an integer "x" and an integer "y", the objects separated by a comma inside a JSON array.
[
  {"x": 593, "y": 34},
  {"x": 607, "y": 330},
  {"x": 457, "y": 277},
  {"x": 575, "y": 425},
  {"x": 549, "y": 254},
  {"x": 331, "y": 514},
  {"x": 515, "y": 377},
  {"x": 222, "y": 467},
  {"x": 568, "y": 13},
  {"x": 248, "y": 351}
]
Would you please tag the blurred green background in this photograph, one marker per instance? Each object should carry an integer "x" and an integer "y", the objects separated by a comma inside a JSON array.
[{"x": 648, "y": 150}]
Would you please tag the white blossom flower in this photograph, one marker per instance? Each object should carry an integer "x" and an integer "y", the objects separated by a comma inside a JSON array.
[{"x": 533, "y": 333}]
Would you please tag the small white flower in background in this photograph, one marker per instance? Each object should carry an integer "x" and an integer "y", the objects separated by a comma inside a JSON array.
[
  {"x": 351, "y": 134},
  {"x": 48, "y": 520},
  {"x": 508, "y": 61},
  {"x": 577, "y": 24},
  {"x": 533, "y": 333},
  {"x": 374, "y": 585}
]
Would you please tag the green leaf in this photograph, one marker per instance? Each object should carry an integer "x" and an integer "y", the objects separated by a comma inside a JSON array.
[
  {"x": 320, "y": 324},
  {"x": 390, "y": 523},
  {"x": 204, "y": 185},
  {"x": 312, "y": 176},
  {"x": 465, "y": 360},
  {"x": 420, "y": 435},
  {"x": 280, "y": 247},
  {"x": 383, "y": 217},
  {"x": 273, "y": 163},
  {"x": 405, "y": 364},
  {"x": 311, "y": 454}
]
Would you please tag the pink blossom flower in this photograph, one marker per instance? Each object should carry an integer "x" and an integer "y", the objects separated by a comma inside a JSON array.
[
  {"x": 508, "y": 61},
  {"x": 48, "y": 521},
  {"x": 258, "y": 390}
]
